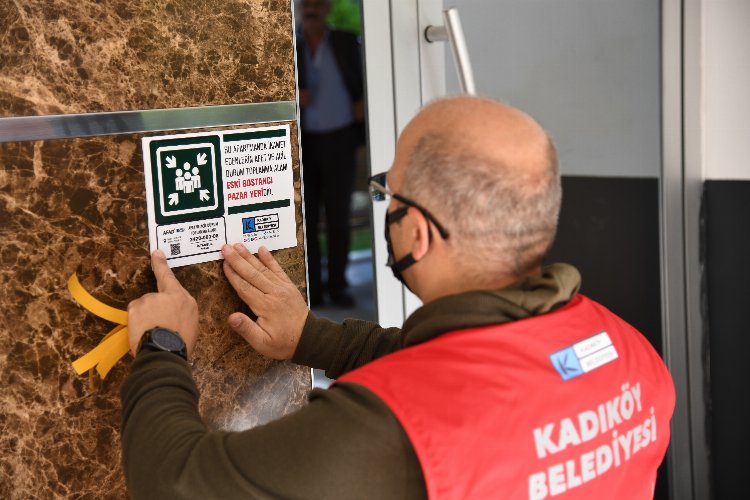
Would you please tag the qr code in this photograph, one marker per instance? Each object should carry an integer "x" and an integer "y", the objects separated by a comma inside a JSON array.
[{"x": 174, "y": 249}]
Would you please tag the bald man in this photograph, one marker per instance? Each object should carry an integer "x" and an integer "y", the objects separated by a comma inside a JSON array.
[{"x": 506, "y": 383}]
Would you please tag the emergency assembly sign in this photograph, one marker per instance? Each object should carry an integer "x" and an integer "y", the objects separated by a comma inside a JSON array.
[{"x": 210, "y": 188}]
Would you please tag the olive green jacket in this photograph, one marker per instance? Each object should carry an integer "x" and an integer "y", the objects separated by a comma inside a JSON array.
[{"x": 344, "y": 444}]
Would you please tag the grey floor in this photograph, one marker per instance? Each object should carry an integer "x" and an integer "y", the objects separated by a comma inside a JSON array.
[{"x": 359, "y": 274}]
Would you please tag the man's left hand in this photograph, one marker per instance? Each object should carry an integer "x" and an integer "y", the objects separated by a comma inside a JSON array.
[{"x": 171, "y": 307}]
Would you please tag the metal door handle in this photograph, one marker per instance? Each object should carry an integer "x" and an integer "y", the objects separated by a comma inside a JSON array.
[{"x": 452, "y": 32}]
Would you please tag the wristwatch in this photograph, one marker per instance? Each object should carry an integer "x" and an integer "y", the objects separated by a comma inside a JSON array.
[{"x": 163, "y": 339}]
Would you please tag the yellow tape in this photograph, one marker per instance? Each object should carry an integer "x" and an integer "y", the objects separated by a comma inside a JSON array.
[
  {"x": 95, "y": 306},
  {"x": 114, "y": 345}
]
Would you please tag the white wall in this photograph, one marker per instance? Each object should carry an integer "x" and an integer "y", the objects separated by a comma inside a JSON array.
[
  {"x": 588, "y": 70},
  {"x": 726, "y": 89}
]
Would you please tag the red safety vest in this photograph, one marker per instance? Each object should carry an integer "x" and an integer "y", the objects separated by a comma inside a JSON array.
[{"x": 574, "y": 403}]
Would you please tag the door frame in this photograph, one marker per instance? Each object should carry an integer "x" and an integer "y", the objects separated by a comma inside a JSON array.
[
  {"x": 684, "y": 336},
  {"x": 398, "y": 83}
]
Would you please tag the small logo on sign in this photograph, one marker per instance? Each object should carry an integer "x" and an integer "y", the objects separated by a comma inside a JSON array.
[
  {"x": 260, "y": 223},
  {"x": 566, "y": 363},
  {"x": 584, "y": 356}
]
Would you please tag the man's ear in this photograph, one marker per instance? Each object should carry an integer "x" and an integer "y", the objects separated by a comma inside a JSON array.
[{"x": 421, "y": 228}]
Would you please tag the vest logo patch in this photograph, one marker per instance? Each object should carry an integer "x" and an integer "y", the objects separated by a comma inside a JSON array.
[{"x": 584, "y": 356}]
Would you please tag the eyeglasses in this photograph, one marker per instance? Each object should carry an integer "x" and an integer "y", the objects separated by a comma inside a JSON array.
[{"x": 379, "y": 191}]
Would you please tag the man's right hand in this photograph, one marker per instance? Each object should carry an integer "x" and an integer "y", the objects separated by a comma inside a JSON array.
[{"x": 264, "y": 286}]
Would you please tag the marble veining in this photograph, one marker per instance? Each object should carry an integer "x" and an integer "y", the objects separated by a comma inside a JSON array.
[
  {"x": 79, "y": 205},
  {"x": 79, "y": 56}
]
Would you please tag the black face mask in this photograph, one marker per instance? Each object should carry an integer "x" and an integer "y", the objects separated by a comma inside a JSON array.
[{"x": 397, "y": 267}]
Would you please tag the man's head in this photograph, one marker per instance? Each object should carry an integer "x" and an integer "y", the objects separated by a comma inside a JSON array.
[
  {"x": 314, "y": 13},
  {"x": 489, "y": 174}
]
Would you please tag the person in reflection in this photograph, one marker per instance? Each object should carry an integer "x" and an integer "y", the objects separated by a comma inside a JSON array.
[
  {"x": 506, "y": 383},
  {"x": 332, "y": 112}
]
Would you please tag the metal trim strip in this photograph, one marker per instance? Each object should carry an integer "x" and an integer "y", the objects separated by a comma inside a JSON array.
[
  {"x": 688, "y": 455},
  {"x": 36, "y": 128}
]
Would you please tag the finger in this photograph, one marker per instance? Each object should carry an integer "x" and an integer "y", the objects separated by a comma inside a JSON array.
[
  {"x": 248, "y": 293},
  {"x": 165, "y": 278},
  {"x": 249, "y": 257},
  {"x": 267, "y": 259},
  {"x": 137, "y": 303},
  {"x": 133, "y": 304},
  {"x": 246, "y": 271},
  {"x": 250, "y": 331}
]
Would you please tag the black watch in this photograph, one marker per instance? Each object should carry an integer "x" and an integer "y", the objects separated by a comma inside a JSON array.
[{"x": 163, "y": 339}]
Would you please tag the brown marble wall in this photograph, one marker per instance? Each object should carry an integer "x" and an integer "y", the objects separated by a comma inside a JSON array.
[
  {"x": 79, "y": 56},
  {"x": 79, "y": 205}
]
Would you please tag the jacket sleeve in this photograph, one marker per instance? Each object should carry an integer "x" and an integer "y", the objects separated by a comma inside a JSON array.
[
  {"x": 347, "y": 51},
  {"x": 328, "y": 449},
  {"x": 340, "y": 347}
]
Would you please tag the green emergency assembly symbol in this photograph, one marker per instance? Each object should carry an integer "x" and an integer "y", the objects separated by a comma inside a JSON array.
[{"x": 186, "y": 179}]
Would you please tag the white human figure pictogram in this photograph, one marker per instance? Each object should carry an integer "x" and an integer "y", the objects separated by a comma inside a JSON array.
[
  {"x": 196, "y": 178},
  {"x": 188, "y": 185},
  {"x": 179, "y": 181},
  {"x": 187, "y": 179},
  {"x": 188, "y": 188}
]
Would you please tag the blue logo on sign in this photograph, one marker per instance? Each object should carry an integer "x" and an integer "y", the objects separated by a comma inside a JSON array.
[
  {"x": 566, "y": 363},
  {"x": 248, "y": 225}
]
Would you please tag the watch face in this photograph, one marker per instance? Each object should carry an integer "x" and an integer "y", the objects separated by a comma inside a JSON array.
[{"x": 167, "y": 340}]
